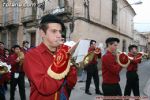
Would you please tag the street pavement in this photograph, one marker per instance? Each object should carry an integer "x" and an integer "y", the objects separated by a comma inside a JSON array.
[{"x": 79, "y": 94}]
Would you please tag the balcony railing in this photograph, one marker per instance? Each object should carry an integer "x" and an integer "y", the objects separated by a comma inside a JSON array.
[
  {"x": 9, "y": 18},
  {"x": 12, "y": 22},
  {"x": 1, "y": 26},
  {"x": 67, "y": 10},
  {"x": 28, "y": 18},
  {"x": 1, "y": 21}
]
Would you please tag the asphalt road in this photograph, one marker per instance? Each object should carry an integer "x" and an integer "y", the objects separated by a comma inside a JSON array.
[{"x": 78, "y": 91}]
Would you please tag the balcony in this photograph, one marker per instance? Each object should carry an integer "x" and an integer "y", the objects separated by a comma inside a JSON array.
[
  {"x": 1, "y": 24},
  {"x": 11, "y": 19},
  {"x": 67, "y": 10},
  {"x": 28, "y": 18},
  {"x": 12, "y": 23}
]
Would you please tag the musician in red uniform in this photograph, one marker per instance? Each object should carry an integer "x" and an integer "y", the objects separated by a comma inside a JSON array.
[
  {"x": 25, "y": 46},
  {"x": 2, "y": 89},
  {"x": 17, "y": 74},
  {"x": 92, "y": 70},
  {"x": 111, "y": 69},
  {"x": 132, "y": 76},
  {"x": 2, "y": 72},
  {"x": 2, "y": 58},
  {"x": 45, "y": 83}
]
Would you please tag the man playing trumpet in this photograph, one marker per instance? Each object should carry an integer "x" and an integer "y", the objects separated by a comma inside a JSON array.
[
  {"x": 111, "y": 69},
  {"x": 91, "y": 67},
  {"x": 132, "y": 76},
  {"x": 17, "y": 73},
  {"x": 48, "y": 65}
]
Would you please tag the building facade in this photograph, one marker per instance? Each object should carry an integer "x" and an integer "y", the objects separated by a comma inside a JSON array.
[
  {"x": 141, "y": 40},
  {"x": 90, "y": 19},
  {"x": 148, "y": 46},
  {"x": 11, "y": 33},
  {"x": 147, "y": 34}
]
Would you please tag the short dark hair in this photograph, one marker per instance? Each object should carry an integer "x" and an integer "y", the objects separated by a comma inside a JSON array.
[
  {"x": 6, "y": 50},
  {"x": 45, "y": 20},
  {"x": 131, "y": 47},
  {"x": 111, "y": 40},
  {"x": 24, "y": 42},
  {"x": 16, "y": 46},
  {"x": 2, "y": 42},
  {"x": 91, "y": 42}
]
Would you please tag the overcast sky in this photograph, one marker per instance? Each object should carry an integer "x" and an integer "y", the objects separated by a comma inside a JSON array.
[{"x": 142, "y": 19}]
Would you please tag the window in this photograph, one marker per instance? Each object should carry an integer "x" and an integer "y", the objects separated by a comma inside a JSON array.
[
  {"x": 114, "y": 12},
  {"x": 5, "y": 12},
  {"x": 33, "y": 39},
  {"x": 124, "y": 45},
  {"x": 86, "y": 8},
  {"x": 61, "y": 3},
  {"x": 15, "y": 11}
]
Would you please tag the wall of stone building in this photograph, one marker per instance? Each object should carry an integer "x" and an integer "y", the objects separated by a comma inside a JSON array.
[
  {"x": 84, "y": 30},
  {"x": 125, "y": 16},
  {"x": 20, "y": 35},
  {"x": 27, "y": 11},
  {"x": 141, "y": 41},
  {"x": 13, "y": 35},
  {"x": 51, "y": 5},
  {"x": 38, "y": 37},
  {"x": 4, "y": 38},
  {"x": 100, "y": 11},
  {"x": 1, "y": 11}
]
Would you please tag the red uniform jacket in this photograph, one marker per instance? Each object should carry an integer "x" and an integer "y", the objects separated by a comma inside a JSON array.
[
  {"x": 1, "y": 52},
  {"x": 94, "y": 61},
  {"x": 43, "y": 87},
  {"x": 14, "y": 65},
  {"x": 4, "y": 77},
  {"x": 110, "y": 69},
  {"x": 133, "y": 64}
]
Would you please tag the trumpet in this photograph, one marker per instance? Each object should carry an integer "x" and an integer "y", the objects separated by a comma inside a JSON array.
[
  {"x": 123, "y": 59},
  {"x": 89, "y": 57},
  {"x": 138, "y": 55},
  {"x": 20, "y": 58},
  {"x": 5, "y": 69}
]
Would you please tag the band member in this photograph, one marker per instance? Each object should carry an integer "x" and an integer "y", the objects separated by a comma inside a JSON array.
[
  {"x": 17, "y": 73},
  {"x": 6, "y": 55},
  {"x": 92, "y": 70},
  {"x": 3, "y": 73},
  {"x": 2, "y": 88},
  {"x": 44, "y": 65},
  {"x": 111, "y": 69},
  {"x": 25, "y": 46},
  {"x": 2, "y": 58},
  {"x": 132, "y": 76}
]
